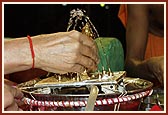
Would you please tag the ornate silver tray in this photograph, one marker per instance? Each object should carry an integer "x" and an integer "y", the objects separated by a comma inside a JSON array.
[{"x": 73, "y": 94}]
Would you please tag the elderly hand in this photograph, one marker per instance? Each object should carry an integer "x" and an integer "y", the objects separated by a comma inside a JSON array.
[
  {"x": 65, "y": 52},
  {"x": 12, "y": 95}
]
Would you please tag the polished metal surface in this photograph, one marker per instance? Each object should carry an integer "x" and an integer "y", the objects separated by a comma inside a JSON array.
[
  {"x": 126, "y": 86},
  {"x": 108, "y": 85}
]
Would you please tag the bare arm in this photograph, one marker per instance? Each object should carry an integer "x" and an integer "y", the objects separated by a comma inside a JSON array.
[
  {"x": 17, "y": 55},
  {"x": 136, "y": 37},
  {"x": 136, "y": 31},
  {"x": 58, "y": 52}
]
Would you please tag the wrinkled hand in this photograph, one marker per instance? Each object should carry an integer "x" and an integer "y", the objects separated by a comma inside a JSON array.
[
  {"x": 11, "y": 97},
  {"x": 156, "y": 67},
  {"x": 65, "y": 52}
]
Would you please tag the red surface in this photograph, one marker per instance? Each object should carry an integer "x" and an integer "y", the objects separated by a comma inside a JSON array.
[{"x": 155, "y": 108}]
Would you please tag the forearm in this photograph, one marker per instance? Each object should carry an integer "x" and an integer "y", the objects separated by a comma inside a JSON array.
[
  {"x": 17, "y": 55},
  {"x": 57, "y": 52}
]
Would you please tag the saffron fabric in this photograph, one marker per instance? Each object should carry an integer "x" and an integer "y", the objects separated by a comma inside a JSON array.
[{"x": 155, "y": 45}]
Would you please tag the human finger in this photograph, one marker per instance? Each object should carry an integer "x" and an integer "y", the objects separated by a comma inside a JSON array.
[
  {"x": 16, "y": 93},
  {"x": 87, "y": 51},
  {"x": 78, "y": 68},
  {"x": 87, "y": 62},
  {"x": 82, "y": 38},
  {"x": 87, "y": 40},
  {"x": 19, "y": 102},
  {"x": 8, "y": 82},
  {"x": 9, "y": 94}
]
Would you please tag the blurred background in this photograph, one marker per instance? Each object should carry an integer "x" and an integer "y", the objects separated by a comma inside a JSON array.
[{"x": 32, "y": 19}]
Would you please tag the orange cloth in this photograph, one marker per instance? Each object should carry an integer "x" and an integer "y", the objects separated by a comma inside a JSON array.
[{"x": 155, "y": 45}]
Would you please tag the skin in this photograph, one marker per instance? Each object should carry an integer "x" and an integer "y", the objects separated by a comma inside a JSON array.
[
  {"x": 12, "y": 96},
  {"x": 144, "y": 19},
  {"x": 58, "y": 53}
]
